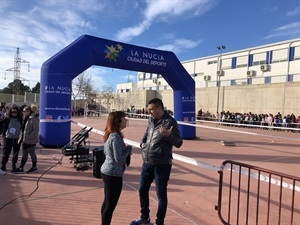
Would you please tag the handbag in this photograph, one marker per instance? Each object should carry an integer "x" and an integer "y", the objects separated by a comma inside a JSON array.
[{"x": 128, "y": 158}]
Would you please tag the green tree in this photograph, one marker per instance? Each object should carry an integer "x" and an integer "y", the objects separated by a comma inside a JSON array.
[
  {"x": 11, "y": 88},
  {"x": 36, "y": 88}
]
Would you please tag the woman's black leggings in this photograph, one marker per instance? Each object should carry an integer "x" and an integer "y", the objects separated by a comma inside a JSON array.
[{"x": 112, "y": 192}]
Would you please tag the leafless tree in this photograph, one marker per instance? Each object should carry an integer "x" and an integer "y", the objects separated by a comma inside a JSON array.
[
  {"x": 107, "y": 94},
  {"x": 82, "y": 87},
  {"x": 118, "y": 102}
]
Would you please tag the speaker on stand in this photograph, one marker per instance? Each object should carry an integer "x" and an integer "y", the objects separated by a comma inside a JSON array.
[{"x": 99, "y": 157}]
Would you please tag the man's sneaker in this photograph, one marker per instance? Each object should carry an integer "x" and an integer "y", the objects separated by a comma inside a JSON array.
[
  {"x": 2, "y": 172},
  {"x": 140, "y": 221},
  {"x": 32, "y": 169},
  {"x": 19, "y": 170}
]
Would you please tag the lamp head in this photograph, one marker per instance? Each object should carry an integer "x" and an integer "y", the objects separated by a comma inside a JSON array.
[{"x": 221, "y": 47}]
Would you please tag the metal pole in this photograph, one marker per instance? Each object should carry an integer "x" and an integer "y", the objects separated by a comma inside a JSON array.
[
  {"x": 218, "y": 83},
  {"x": 219, "y": 67}
]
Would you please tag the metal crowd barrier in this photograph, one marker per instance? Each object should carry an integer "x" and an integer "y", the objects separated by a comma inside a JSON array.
[
  {"x": 295, "y": 127},
  {"x": 253, "y": 195}
]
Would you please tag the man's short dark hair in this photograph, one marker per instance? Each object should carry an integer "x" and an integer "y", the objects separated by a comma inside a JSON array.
[{"x": 157, "y": 102}]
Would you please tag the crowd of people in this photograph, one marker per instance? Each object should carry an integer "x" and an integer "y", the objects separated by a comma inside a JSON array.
[
  {"x": 88, "y": 109},
  {"x": 19, "y": 127},
  {"x": 274, "y": 120},
  {"x": 142, "y": 113}
]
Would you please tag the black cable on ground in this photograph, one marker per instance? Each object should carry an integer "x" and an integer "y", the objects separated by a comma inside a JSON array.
[{"x": 37, "y": 183}]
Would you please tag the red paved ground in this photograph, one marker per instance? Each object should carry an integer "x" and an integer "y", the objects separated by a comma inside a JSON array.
[{"x": 58, "y": 194}]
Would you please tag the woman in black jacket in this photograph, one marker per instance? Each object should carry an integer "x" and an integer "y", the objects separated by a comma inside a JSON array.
[{"x": 11, "y": 128}]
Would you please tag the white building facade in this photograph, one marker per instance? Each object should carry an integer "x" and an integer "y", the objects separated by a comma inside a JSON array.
[
  {"x": 126, "y": 87},
  {"x": 273, "y": 63},
  {"x": 263, "y": 79}
]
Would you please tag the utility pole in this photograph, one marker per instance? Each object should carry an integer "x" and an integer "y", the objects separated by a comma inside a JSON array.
[{"x": 17, "y": 71}]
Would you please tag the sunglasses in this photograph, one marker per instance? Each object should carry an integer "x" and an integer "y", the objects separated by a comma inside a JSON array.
[{"x": 14, "y": 112}]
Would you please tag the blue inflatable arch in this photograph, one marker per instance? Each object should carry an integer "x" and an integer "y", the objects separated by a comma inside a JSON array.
[{"x": 58, "y": 72}]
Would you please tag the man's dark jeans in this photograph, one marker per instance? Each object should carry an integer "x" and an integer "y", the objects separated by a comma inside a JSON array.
[{"x": 161, "y": 175}]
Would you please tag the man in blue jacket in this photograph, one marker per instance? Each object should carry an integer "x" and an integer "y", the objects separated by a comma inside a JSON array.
[{"x": 161, "y": 135}]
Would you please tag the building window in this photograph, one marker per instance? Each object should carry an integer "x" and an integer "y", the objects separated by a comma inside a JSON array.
[
  {"x": 259, "y": 58},
  {"x": 249, "y": 80},
  {"x": 295, "y": 53},
  {"x": 250, "y": 60},
  {"x": 290, "y": 78},
  {"x": 242, "y": 61},
  {"x": 232, "y": 83},
  {"x": 212, "y": 62},
  {"x": 267, "y": 80},
  {"x": 233, "y": 63},
  {"x": 279, "y": 60},
  {"x": 256, "y": 63},
  {"x": 242, "y": 65},
  {"x": 141, "y": 76},
  {"x": 147, "y": 77},
  {"x": 279, "y": 55},
  {"x": 225, "y": 64}
]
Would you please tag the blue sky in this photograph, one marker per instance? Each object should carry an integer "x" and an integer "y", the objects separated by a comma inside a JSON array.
[{"x": 189, "y": 28}]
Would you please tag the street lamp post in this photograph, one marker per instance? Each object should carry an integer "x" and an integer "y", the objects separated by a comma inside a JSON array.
[{"x": 219, "y": 74}]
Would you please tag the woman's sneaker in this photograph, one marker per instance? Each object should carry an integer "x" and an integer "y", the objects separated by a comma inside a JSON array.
[
  {"x": 19, "y": 170},
  {"x": 2, "y": 172},
  {"x": 140, "y": 221},
  {"x": 14, "y": 169},
  {"x": 32, "y": 169}
]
